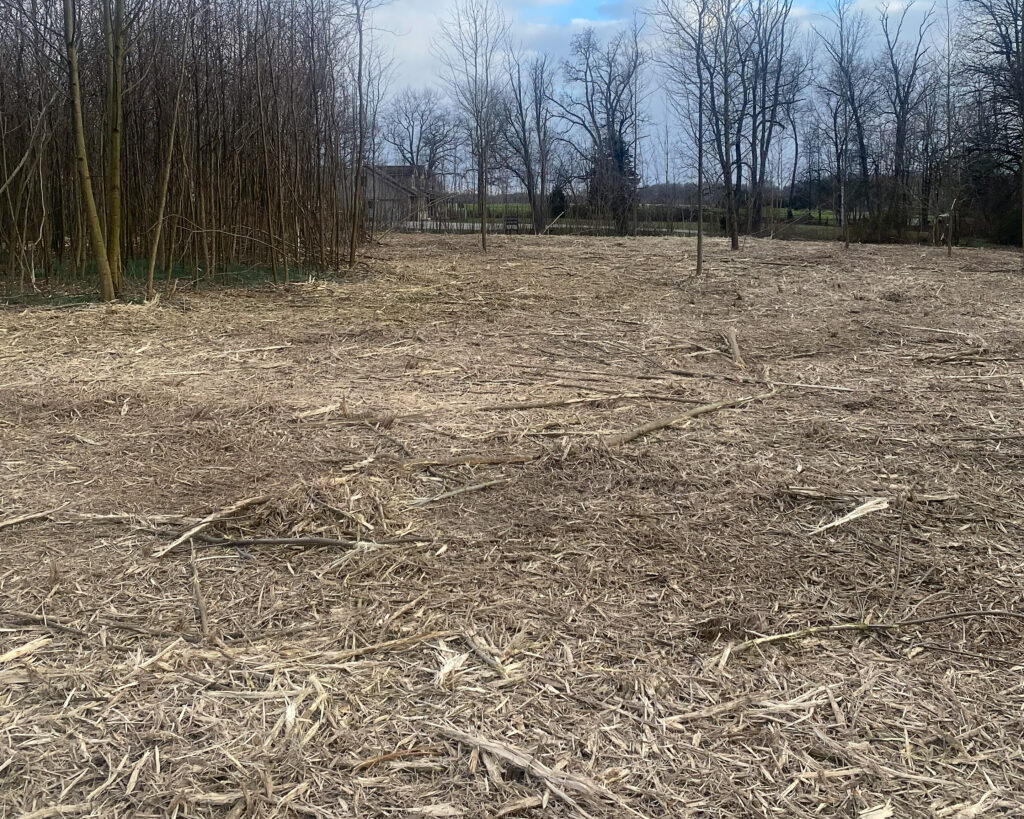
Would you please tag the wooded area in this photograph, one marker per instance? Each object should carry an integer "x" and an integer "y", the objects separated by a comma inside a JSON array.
[
  {"x": 195, "y": 135},
  {"x": 184, "y": 139}
]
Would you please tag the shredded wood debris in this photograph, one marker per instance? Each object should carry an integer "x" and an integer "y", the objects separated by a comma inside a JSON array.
[{"x": 362, "y": 548}]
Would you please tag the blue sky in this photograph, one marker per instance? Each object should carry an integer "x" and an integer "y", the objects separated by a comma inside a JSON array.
[
  {"x": 543, "y": 25},
  {"x": 409, "y": 26},
  {"x": 546, "y": 25}
]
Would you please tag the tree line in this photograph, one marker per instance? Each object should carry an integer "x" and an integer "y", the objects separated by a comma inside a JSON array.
[{"x": 152, "y": 138}]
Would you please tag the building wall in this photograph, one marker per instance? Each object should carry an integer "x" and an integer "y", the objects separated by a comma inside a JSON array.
[{"x": 390, "y": 203}]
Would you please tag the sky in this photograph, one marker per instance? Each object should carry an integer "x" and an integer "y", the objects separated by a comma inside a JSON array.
[{"x": 408, "y": 26}]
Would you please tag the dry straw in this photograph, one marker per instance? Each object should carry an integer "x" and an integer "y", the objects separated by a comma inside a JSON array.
[{"x": 442, "y": 539}]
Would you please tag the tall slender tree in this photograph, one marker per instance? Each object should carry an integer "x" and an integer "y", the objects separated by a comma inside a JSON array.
[
  {"x": 92, "y": 215},
  {"x": 469, "y": 47},
  {"x": 683, "y": 60}
]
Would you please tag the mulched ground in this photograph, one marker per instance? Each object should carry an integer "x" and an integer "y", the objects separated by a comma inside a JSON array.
[{"x": 432, "y": 583}]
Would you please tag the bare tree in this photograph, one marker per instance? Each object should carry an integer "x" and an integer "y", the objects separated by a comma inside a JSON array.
[
  {"x": 950, "y": 67},
  {"x": 420, "y": 129},
  {"x": 902, "y": 65},
  {"x": 836, "y": 123},
  {"x": 725, "y": 54},
  {"x": 360, "y": 12},
  {"x": 471, "y": 42},
  {"x": 776, "y": 75},
  {"x": 92, "y": 215},
  {"x": 851, "y": 76},
  {"x": 600, "y": 106},
  {"x": 116, "y": 23},
  {"x": 165, "y": 179},
  {"x": 529, "y": 134},
  {"x": 683, "y": 60}
]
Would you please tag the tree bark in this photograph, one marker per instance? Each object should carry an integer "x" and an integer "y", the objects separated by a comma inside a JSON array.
[
  {"x": 357, "y": 184},
  {"x": 113, "y": 11},
  {"x": 92, "y": 216},
  {"x": 481, "y": 181},
  {"x": 700, "y": 142}
]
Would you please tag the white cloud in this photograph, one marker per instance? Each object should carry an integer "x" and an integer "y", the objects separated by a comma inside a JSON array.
[{"x": 408, "y": 27}]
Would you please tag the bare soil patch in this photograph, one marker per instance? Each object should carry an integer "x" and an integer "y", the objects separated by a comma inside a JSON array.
[{"x": 451, "y": 594}]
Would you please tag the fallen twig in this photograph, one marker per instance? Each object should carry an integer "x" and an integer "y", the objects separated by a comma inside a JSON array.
[
  {"x": 51, "y": 623},
  {"x": 31, "y": 516},
  {"x": 147, "y": 521},
  {"x": 558, "y": 402},
  {"x": 388, "y": 645},
  {"x": 315, "y": 413},
  {"x": 241, "y": 543},
  {"x": 482, "y": 650},
  {"x": 651, "y": 426},
  {"x": 62, "y": 626},
  {"x": 197, "y": 594},
  {"x": 739, "y": 379},
  {"x": 363, "y": 764},
  {"x": 594, "y": 399},
  {"x": 811, "y": 631},
  {"x": 478, "y": 460},
  {"x": 58, "y": 810},
  {"x": 402, "y": 610},
  {"x": 851, "y": 496},
  {"x": 866, "y": 508},
  {"x": 253, "y": 542},
  {"x": 220, "y": 514},
  {"x": 25, "y": 650},
  {"x": 710, "y": 711},
  {"x": 460, "y": 491},
  {"x": 734, "y": 348},
  {"x": 557, "y": 781}
]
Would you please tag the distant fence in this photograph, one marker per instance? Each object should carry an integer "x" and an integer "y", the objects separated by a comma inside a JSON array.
[
  {"x": 580, "y": 220},
  {"x": 516, "y": 218}
]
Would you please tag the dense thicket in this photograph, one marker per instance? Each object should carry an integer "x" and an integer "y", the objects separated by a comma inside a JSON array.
[{"x": 243, "y": 111}]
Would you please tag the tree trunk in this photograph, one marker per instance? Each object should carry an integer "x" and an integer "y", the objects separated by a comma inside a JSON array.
[
  {"x": 796, "y": 162},
  {"x": 92, "y": 216},
  {"x": 481, "y": 192},
  {"x": 114, "y": 20},
  {"x": 733, "y": 216},
  {"x": 540, "y": 218},
  {"x": 700, "y": 143},
  {"x": 357, "y": 184},
  {"x": 271, "y": 228},
  {"x": 842, "y": 208},
  {"x": 949, "y": 230},
  {"x": 536, "y": 213}
]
